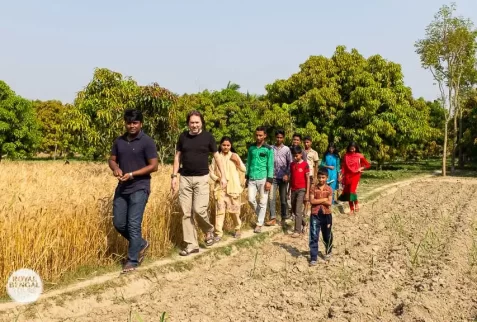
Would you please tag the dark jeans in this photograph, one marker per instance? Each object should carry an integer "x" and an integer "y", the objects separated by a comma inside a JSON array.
[
  {"x": 281, "y": 186},
  {"x": 320, "y": 222},
  {"x": 297, "y": 197},
  {"x": 128, "y": 210}
]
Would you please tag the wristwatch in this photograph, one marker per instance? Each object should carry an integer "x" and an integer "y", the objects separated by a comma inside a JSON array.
[{"x": 173, "y": 176}]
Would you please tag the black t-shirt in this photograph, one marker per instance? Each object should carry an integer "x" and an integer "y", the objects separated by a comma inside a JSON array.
[
  {"x": 195, "y": 151},
  {"x": 131, "y": 156}
]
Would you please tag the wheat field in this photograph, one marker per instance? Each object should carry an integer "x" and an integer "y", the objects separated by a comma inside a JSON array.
[{"x": 56, "y": 218}]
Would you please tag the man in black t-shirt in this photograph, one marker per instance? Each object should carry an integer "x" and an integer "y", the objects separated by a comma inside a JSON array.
[
  {"x": 192, "y": 151},
  {"x": 133, "y": 159}
]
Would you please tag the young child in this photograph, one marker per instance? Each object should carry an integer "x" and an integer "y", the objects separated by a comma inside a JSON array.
[
  {"x": 321, "y": 218},
  {"x": 299, "y": 185}
]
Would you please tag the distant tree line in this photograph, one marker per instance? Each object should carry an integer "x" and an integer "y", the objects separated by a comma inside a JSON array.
[{"x": 342, "y": 98}]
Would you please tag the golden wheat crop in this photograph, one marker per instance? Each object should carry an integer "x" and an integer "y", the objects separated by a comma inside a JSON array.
[{"x": 56, "y": 217}]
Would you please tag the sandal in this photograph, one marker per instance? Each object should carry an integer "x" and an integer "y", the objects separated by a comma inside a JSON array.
[
  {"x": 209, "y": 239},
  {"x": 186, "y": 252},
  {"x": 217, "y": 239},
  {"x": 128, "y": 268},
  {"x": 258, "y": 229},
  {"x": 237, "y": 234},
  {"x": 142, "y": 252}
]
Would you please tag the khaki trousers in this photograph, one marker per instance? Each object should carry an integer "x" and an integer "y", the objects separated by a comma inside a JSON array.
[{"x": 194, "y": 200}]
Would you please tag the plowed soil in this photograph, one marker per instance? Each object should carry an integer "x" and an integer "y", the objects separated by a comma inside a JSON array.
[{"x": 410, "y": 255}]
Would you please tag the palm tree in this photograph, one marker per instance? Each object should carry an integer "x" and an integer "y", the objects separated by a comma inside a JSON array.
[{"x": 232, "y": 86}]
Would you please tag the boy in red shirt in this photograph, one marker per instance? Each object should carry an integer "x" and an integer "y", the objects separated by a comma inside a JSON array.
[
  {"x": 299, "y": 185},
  {"x": 321, "y": 196}
]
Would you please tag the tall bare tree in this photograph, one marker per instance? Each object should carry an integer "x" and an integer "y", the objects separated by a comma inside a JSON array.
[{"x": 448, "y": 52}]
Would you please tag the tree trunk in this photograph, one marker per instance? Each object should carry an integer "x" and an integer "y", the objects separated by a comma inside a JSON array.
[
  {"x": 461, "y": 155},
  {"x": 454, "y": 144},
  {"x": 444, "y": 152},
  {"x": 56, "y": 149}
]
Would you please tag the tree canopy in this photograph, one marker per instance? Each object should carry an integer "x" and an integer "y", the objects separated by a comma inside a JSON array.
[
  {"x": 342, "y": 98},
  {"x": 55, "y": 137},
  {"x": 448, "y": 51},
  {"x": 97, "y": 116},
  {"x": 352, "y": 98},
  {"x": 19, "y": 134}
]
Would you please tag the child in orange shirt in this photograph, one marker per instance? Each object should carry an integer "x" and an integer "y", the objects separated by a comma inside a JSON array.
[{"x": 321, "y": 218}]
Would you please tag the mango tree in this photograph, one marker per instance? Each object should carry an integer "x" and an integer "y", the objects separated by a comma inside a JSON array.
[
  {"x": 19, "y": 133},
  {"x": 351, "y": 98}
]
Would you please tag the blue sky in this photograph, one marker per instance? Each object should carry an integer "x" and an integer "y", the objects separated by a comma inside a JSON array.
[{"x": 50, "y": 47}]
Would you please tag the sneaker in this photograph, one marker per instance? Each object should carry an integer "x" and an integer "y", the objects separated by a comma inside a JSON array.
[
  {"x": 313, "y": 263},
  {"x": 271, "y": 222},
  {"x": 327, "y": 257}
]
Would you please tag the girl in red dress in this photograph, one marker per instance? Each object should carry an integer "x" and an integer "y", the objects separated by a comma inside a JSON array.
[{"x": 352, "y": 166}]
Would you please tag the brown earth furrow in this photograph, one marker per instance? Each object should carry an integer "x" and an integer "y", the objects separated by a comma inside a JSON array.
[{"x": 410, "y": 255}]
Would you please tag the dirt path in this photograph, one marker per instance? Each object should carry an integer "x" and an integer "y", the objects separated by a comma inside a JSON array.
[{"x": 411, "y": 255}]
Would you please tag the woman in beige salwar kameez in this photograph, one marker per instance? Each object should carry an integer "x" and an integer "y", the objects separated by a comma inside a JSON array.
[{"x": 228, "y": 200}]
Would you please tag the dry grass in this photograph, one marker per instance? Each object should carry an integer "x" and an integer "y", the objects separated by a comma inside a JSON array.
[{"x": 56, "y": 218}]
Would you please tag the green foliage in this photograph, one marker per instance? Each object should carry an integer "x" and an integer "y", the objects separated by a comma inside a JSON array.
[
  {"x": 97, "y": 116},
  {"x": 448, "y": 51},
  {"x": 350, "y": 98},
  {"x": 342, "y": 98},
  {"x": 55, "y": 137},
  {"x": 19, "y": 134},
  {"x": 469, "y": 125},
  {"x": 160, "y": 117}
]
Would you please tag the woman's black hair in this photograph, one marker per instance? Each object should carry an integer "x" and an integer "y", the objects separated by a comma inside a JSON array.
[
  {"x": 356, "y": 146},
  {"x": 335, "y": 152},
  {"x": 226, "y": 138}
]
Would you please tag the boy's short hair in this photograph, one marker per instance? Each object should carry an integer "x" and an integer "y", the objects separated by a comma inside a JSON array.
[
  {"x": 296, "y": 135},
  {"x": 296, "y": 150},
  {"x": 322, "y": 172},
  {"x": 132, "y": 115},
  {"x": 261, "y": 129},
  {"x": 307, "y": 138},
  {"x": 280, "y": 131}
]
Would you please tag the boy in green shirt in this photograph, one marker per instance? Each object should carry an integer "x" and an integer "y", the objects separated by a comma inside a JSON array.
[{"x": 259, "y": 175}]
